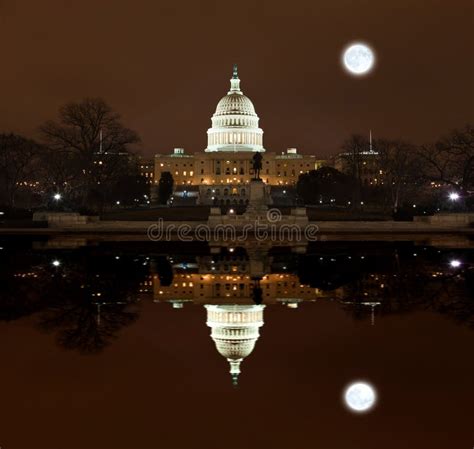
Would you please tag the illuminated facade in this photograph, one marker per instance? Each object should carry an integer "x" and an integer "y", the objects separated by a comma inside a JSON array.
[
  {"x": 225, "y": 167},
  {"x": 146, "y": 168}
]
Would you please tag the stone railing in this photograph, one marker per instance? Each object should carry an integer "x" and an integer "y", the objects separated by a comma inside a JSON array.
[
  {"x": 297, "y": 216},
  {"x": 454, "y": 219},
  {"x": 60, "y": 219}
]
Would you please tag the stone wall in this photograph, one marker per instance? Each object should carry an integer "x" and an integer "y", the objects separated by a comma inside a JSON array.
[
  {"x": 60, "y": 219},
  {"x": 458, "y": 219}
]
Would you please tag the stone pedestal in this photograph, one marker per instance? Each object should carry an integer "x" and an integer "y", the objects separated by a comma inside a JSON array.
[{"x": 259, "y": 199}]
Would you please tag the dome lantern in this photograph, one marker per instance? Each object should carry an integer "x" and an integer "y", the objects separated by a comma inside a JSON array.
[{"x": 235, "y": 82}]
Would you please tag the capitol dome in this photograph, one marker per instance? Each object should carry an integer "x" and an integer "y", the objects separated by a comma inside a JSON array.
[
  {"x": 235, "y": 123},
  {"x": 235, "y": 330},
  {"x": 235, "y": 104}
]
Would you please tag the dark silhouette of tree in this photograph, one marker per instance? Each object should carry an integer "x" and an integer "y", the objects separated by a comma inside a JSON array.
[
  {"x": 18, "y": 158},
  {"x": 85, "y": 301},
  {"x": 409, "y": 285},
  {"x": 162, "y": 266},
  {"x": 400, "y": 168},
  {"x": 324, "y": 185},
  {"x": 450, "y": 161},
  {"x": 328, "y": 274},
  {"x": 60, "y": 171},
  {"x": 94, "y": 297},
  {"x": 96, "y": 147},
  {"x": 129, "y": 188},
  {"x": 165, "y": 187},
  {"x": 85, "y": 325}
]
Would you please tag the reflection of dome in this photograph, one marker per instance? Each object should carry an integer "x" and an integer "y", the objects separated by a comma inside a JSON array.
[
  {"x": 235, "y": 329},
  {"x": 235, "y": 123}
]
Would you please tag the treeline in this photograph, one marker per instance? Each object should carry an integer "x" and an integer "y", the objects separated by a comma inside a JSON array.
[
  {"x": 396, "y": 175},
  {"x": 84, "y": 160}
]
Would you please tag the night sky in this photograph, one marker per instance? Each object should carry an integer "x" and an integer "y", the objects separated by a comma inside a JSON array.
[{"x": 165, "y": 65}]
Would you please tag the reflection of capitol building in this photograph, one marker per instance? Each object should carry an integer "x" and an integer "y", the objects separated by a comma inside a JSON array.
[
  {"x": 230, "y": 276},
  {"x": 235, "y": 284},
  {"x": 235, "y": 330},
  {"x": 222, "y": 278},
  {"x": 201, "y": 288},
  {"x": 219, "y": 175}
]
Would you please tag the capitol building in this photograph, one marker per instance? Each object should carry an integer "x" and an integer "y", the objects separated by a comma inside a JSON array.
[{"x": 220, "y": 173}]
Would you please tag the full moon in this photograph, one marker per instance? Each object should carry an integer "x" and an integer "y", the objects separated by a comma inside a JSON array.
[
  {"x": 358, "y": 59},
  {"x": 360, "y": 396}
]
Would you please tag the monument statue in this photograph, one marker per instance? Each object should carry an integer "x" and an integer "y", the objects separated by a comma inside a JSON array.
[{"x": 257, "y": 165}]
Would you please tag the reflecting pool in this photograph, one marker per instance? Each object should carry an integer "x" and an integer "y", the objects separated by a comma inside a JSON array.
[{"x": 138, "y": 345}]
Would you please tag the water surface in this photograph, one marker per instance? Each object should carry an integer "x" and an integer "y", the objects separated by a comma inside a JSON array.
[{"x": 109, "y": 345}]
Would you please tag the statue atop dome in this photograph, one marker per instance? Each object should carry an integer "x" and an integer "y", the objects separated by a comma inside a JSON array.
[{"x": 235, "y": 74}]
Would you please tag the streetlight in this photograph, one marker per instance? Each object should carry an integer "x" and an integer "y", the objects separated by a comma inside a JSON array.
[
  {"x": 57, "y": 196},
  {"x": 454, "y": 196},
  {"x": 56, "y": 263},
  {"x": 455, "y": 263}
]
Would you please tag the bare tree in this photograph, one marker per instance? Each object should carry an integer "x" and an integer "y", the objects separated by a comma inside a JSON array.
[
  {"x": 400, "y": 168},
  {"x": 450, "y": 161},
  {"x": 59, "y": 170},
  {"x": 17, "y": 164},
  {"x": 94, "y": 140}
]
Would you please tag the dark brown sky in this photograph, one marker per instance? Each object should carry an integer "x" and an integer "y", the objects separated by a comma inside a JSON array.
[{"x": 164, "y": 66}]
